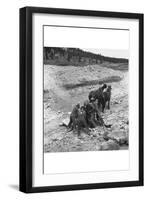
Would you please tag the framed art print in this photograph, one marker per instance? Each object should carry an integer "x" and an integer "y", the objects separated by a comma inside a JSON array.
[{"x": 81, "y": 99}]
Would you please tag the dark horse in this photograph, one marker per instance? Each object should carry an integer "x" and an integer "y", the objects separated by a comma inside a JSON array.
[{"x": 98, "y": 94}]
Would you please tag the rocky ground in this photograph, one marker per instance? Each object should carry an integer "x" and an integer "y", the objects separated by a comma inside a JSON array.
[{"x": 58, "y": 103}]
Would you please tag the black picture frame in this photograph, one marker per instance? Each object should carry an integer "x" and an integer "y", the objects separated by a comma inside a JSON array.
[{"x": 26, "y": 91}]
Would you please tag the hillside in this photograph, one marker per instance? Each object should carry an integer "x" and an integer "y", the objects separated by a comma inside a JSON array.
[{"x": 78, "y": 57}]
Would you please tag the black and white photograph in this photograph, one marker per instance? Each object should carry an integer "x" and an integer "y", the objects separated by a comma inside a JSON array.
[
  {"x": 85, "y": 98},
  {"x": 81, "y": 112}
]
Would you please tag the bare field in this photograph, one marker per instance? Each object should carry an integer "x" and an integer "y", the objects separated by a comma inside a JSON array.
[{"x": 65, "y": 86}]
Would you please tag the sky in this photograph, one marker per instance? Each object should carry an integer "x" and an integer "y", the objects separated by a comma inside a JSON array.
[
  {"x": 117, "y": 53},
  {"x": 111, "y": 43}
]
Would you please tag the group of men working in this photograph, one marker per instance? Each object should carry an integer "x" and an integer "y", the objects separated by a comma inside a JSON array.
[{"x": 88, "y": 115}]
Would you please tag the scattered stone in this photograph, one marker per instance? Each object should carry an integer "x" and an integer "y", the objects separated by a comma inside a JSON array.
[
  {"x": 55, "y": 139},
  {"x": 105, "y": 135},
  {"x": 98, "y": 147},
  {"x": 122, "y": 127},
  {"x": 94, "y": 135},
  {"x": 101, "y": 139},
  {"x": 127, "y": 122},
  {"x": 115, "y": 102},
  {"x": 65, "y": 122},
  {"x": 115, "y": 127}
]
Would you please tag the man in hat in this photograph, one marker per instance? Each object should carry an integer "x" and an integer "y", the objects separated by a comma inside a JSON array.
[
  {"x": 81, "y": 122},
  {"x": 74, "y": 116},
  {"x": 90, "y": 113},
  {"x": 97, "y": 116},
  {"x": 98, "y": 94}
]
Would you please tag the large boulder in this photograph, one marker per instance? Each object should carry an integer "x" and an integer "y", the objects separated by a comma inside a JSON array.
[
  {"x": 109, "y": 145},
  {"x": 120, "y": 136}
]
